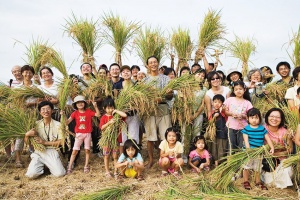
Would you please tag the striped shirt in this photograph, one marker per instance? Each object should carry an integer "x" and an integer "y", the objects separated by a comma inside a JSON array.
[{"x": 256, "y": 136}]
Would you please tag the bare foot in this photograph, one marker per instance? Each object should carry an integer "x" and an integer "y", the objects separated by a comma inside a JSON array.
[{"x": 150, "y": 164}]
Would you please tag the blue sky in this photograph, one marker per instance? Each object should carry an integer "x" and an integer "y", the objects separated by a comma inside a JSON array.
[{"x": 271, "y": 23}]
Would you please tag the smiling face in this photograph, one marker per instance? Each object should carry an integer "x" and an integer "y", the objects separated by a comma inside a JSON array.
[
  {"x": 215, "y": 81},
  {"x": 140, "y": 76},
  {"x": 171, "y": 75},
  {"x": 27, "y": 75},
  {"x": 234, "y": 77},
  {"x": 130, "y": 152},
  {"x": 171, "y": 137},
  {"x": 274, "y": 119},
  {"x": 16, "y": 71},
  {"x": 102, "y": 73},
  {"x": 86, "y": 69},
  {"x": 46, "y": 75},
  {"x": 126, "y": 74},
  {"x": 239, "y": 91},
  {"x": 153, "y": 64},
  {"x": 199, "y": 77},
  {"x": 114, "y": 71},
  {"x": 80, "y": 105},
  {"x": 46, "y": 111},
  {"x": 200, "y": 144},
  {"x": 134, "y": 72},
  {"x": 255, "y": 77},
  {"x": 283, "y": 71}
]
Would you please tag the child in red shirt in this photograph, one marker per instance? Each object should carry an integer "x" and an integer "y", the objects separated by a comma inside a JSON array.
[
  {"x": 83, "y": 117},
  {"x": 105, "y": 121}
]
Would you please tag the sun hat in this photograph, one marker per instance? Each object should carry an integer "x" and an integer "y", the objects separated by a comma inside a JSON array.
[
  {"x": 231, "y": 71},
  {"x": 78, "y": 99}
]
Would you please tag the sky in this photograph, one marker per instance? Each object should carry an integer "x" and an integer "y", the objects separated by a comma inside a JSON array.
[{"x": 271, "y": 23}]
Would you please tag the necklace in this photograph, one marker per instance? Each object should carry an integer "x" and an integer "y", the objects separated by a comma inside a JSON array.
[{"x": 47, "y": 134}]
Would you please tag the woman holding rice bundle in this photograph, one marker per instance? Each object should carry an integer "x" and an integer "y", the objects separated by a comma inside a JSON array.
[{"x": 291, "y": 94}]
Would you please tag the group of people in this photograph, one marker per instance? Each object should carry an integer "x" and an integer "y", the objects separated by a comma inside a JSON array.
[{"x": 228, "y": 100}]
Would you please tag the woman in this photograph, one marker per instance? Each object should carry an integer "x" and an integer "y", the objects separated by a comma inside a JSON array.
[
  {"x": 184, "y": 70},
  {"x": 268, "y": 74},
  {"x": 170, "y": 72},
  {"x": 291, "y": 94},
  {"x": 214, "y": 81},
  {"x": 103, "y": 72},
  {"x": 234, "y": 75},
  {"x": 280, "y": 177},
  {"x": 255, "y": 77}
]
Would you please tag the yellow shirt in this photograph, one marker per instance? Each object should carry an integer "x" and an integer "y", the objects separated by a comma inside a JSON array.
[{"x": 51, "y": 132}]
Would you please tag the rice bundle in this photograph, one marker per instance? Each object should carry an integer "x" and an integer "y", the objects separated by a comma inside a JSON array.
[
  {"x": 242, "y": 49},
  {"x": 15, "y": 122},
  {"x": 4, "y": 92},
  {"x": 56, "y": 60},
  {"x": 211, "y": 130},
  {"x": 36, "y": 54},
  {"x": 111, "y": 192},
  {"x": 222, "y": 175},
  {"x": 86, "y": 35},
  {"x": 98, "y": 88},
  {"x": 181, "y": 41},
  {"x": 19, "y": 95},
  {"x": 295, "y": 57},
  {"x": 148, "y": 43},
  {"x": 292, "y": 119},
  {"x": 211, "y": 30},
  {"x": 118, "y": 33}
]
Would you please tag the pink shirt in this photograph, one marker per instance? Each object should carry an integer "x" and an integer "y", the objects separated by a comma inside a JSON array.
[
  {"x": 237, "y": 107},
  {"x": 194, "y": 153}
]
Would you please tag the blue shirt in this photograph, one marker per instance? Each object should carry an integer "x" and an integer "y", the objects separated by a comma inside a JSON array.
[
  {"x": 256, "y": 136},
  {"x": 122, "y": 158}
]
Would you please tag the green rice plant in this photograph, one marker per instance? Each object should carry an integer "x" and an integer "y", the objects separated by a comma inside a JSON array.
[
  {"x": 86, "y": 35},
  {"x": 148, "y": 43},
  {"x": 118, "y": 33},
  {"x": 295, "y": 42},
  {"x": 20, "y": 95},
  {"x": 4, "y": 92},
  {"x": 56, "y": 60},
  {"x": 111, "y": 192},
  {"x": 15, "y": 122},
  {"x": 181, "y": 42},
  {"x": 211, "y": 30},
  {"x": 242, "y": 49}
]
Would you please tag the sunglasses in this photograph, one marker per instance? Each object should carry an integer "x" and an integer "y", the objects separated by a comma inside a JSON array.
[{"x": 215, "y": 79}]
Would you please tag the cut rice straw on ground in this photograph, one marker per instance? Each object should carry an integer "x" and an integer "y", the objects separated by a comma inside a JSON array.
[
  {"x": 111, "y": 192},
  {"x": 148, "y": 43},
  {"x": 211, "y": 30}
]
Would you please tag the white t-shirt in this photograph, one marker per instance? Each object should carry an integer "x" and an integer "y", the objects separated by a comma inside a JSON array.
[
  {"x": 291, "y": 94},
  {"x": 211, "y": 94},
  {"x": 52, "y": 91}
]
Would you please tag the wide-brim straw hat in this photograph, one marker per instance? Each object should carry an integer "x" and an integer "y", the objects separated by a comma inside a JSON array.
[
  {"x": 78, "y": 99},
  {"x": 231, "y": 71}
]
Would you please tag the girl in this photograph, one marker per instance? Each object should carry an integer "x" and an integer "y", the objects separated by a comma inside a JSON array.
[
  {"x": 236, "y": 108},
  {"x": 170, "y": 153},
  {"x": 105, "y": 121},
  {"x": 199, "y": 158},
  {"x": 83, "y": 117},
  {"x": 130, "y": 162}
]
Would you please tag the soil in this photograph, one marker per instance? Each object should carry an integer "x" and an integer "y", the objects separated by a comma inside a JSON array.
[{"x": 14, "y": 184}]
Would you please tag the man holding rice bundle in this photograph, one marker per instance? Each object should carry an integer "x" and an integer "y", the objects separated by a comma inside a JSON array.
[
  {"x": 48, "y": 133},
  {"x": 161, "y": 120}
]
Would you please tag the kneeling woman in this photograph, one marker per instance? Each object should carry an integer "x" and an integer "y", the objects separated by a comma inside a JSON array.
[{"x": 280, "y": 177}]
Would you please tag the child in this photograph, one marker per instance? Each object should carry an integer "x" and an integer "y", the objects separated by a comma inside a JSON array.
[
  {"x": 83, "y": 118},
  {"x": 105, "y": 121},
  {"x": 254, "y": 135},
  {"x": 170, "y": 153},
  {"x": 199, "y": 158},
  {"x": 220, "y": 145},
  {"x": 131, "y": 162},
  {"x": 236, "y": 108}
]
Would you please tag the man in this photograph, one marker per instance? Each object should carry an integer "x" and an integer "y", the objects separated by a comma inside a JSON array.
[
  {"x": 195, "y": 67},
  {"x": 283, "y": 69},
  {"x": 134, "y": 71},
  {"x": 48, "y": 133},
  {"x": 114, "y": 70},
  {"x": 16, "y": 72},
  {"x": 157, "y": 124}
]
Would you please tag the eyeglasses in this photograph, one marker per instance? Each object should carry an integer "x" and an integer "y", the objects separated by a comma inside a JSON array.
[
  {"x": 215, "y": 79},
  {"x": 274, "y": 117}
]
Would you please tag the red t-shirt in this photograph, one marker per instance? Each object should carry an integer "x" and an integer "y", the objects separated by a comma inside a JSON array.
[
  {"x": 104, "y": 119},
  {"x": 83, "y": 121}
]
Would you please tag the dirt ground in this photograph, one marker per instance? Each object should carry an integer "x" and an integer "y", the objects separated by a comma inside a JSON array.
[{"x": 14, "y": 184}]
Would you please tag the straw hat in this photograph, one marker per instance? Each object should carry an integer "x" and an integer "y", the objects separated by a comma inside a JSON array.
[
  {"x": 231, "y": 71},
  {"x": 78, "y": 99}
]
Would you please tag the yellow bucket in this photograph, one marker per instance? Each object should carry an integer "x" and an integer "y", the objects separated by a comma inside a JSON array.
[{"x": 130, "y": 173}]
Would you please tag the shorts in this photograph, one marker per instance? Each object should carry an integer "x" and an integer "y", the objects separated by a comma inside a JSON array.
[
  {"x": 201, "y": 160},
  {"x": 80, "y": 138},
  {"x": 108, "y": 151},
  {"x": 170, "y": 159},
  {"x": 152, "y": 123},
  {"x": 255, "y": 164}
]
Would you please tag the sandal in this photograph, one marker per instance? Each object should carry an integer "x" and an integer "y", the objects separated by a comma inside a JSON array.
[
  {"x": 262, "y": 186},
  {"x": 177, "y": 175},
  {"x": 69, "y": 171},
  {"x": 164, "y": 173},
  {"x": 86, "y": 169},
  {"x": 140, "y": 178},
  {"x": 247, "y": 185}
]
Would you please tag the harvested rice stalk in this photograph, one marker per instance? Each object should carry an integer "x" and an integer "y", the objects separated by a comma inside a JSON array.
[
  {"x": 181, "y": 41},
  {"x": 292, "y": 118},
  {"x": 148, "y": 43},
  {"x": 56, "y": 60},
  {"x": 222, "y": 175},
  {"x": 4, "y": 92},
  {"x": 211, "y": 30},
  {"x": 295, "y": 57},
  {"x": 98, "y": 88},
  {"x": 211, "y": 130},
  {"x": 20, "y": 95},
  {"x": 86, "y": 35},
  {"x": 118, "y": 33},
  {"x": 15, "y": 122},
  {"x": 276, "y": 90},
  {"x": 242, "y": 49},
  {"x": 111, "y": 192},
  {"x": 292, "y": 160}
]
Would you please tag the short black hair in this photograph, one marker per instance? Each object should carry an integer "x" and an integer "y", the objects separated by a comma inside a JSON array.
[
  {"x": 219, "y": 97},
  {"x": 85, "y": 105},
  {"x": 45, "y": 103},
  {"x": 108, "y": 102},
  {"x": 184, "y": 68},
  {"x": 282, "y": 123},
  {"x": 27, "y": 68},
  {"x": 224, "y": 76},
  {"x": 48, "y": 68},
  {"x": 243, "y": 85},
  {"x": 113, "y": 65},
  {"x": 283, "y": 63},
  {"x": 152, "y": 57},
  {"x": 135, "y": 67},
  {"x": 200, "y": 137},
  {"x": 210, "y": 75},
  {"x": 86, "y": 63},
  {"x": 200, "y": 71},
  {"x": 130, "y": 143},
  {"x": 296, "y": 72},
  {"x": 168, "y": 71},
  {"x": 175, "y": 130},
  {"x": 196, "y": 64},
  {"x": 254, "y": 111}
]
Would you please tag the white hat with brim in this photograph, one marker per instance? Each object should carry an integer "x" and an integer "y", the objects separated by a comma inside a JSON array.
[
  {"x": 231, "y": 71},
  {"x": 78, "y": 99}
]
